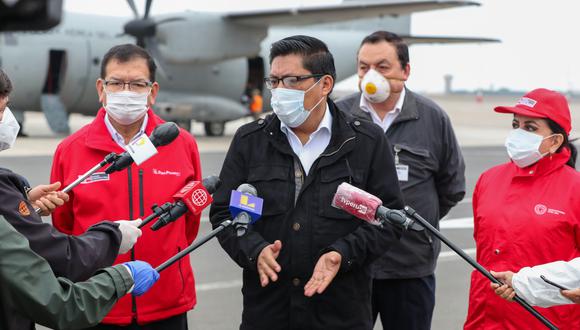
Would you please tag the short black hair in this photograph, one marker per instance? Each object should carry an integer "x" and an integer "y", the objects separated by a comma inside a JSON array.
[
  {"x": 125, "y": 53},
  {"x": 5, "y": 84},
  {"x": 393, "y": 39},
  {"x": 316, "y": 57}
]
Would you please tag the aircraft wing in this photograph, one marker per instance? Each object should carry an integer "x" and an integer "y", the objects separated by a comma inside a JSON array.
[
  {"x": 410, "y": 40},
  {"x": 341, "y": 12}
]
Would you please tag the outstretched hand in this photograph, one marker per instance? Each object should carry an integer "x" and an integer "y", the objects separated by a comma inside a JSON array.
[{"x": 324, "y": 272}]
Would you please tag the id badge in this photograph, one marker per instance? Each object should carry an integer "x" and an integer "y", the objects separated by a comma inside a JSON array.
[{"x": 402, "y": 172}]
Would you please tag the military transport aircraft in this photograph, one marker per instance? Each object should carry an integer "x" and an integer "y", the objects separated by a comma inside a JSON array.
[{"x": 208, "y": 61}]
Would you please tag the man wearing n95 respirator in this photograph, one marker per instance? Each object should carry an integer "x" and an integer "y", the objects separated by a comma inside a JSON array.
[{"x": 430, "y": 170}]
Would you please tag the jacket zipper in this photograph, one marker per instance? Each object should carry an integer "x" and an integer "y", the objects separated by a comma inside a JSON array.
[
  {"x": 130, "y": 183},
  {"x": 141, "y": 203},
  {"x": 180, "y": 273},
  {"x": 337, "y": 150}
]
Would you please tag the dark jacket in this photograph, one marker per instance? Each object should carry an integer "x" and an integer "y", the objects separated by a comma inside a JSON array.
[
  {"x": 30, "y": 291},
  {"x": 424, "y": 138},
  {"x": 73, "y": 257},
  {"x": 297, "y": 210}
]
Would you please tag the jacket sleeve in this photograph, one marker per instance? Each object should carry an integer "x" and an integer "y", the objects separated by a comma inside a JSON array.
[
  {"x": 74, "y": 257},
  {"x": 450, "y": 179},
  {"x": 29, "y": 286},
  {"x": 369, "y": 242},
  {"x": 243, "y": 250},
  {"x": 193, "y": 220},
  {"x": 63, "y": 216},
  {"x": 529, "y": 286}
]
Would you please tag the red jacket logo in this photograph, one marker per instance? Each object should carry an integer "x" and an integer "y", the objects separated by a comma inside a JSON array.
[{"x": 542, "y": 209}]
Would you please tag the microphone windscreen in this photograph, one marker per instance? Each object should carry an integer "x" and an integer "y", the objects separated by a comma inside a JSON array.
[
  {"x": 357, "y": 202},
  {"x": 164, "y": 134},
  {"x": 246, "y": 188},
  {"x": 211, "y": 183}
]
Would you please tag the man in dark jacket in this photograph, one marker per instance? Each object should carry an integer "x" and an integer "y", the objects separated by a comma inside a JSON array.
[
  {"x": 430, "y": 169},
  {"x": 305, "y": 263}
]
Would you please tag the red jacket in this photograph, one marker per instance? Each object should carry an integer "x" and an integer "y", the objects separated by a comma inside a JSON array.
[
  {"x": 523, "y": 217},
  {"x": 129, "y": 194}
]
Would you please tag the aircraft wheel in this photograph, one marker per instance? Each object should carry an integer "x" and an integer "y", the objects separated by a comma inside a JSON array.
[
  {"x": 185, "y": 124},
  {"x": 214, "y": 128}
]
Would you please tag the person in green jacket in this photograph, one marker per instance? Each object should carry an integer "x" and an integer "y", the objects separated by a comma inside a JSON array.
[{"x": 29, "y": 288}]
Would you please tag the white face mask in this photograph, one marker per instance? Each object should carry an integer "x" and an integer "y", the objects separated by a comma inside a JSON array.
[
  {"x": 288, "y": 105},
  {"x": 524, "y": 147},
  {"x": 126, "y": 107},
  {"x": 375, "y": 87},
  {"x": 9, "y": 129}
]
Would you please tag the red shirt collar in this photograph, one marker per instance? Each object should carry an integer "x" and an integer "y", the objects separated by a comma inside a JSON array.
[
  {"x": 545, "y": 165},
  {"x": 98, "y": 136}
]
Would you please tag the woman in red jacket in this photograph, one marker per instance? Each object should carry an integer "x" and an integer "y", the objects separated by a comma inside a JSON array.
[{"x": 527, "y": 211}]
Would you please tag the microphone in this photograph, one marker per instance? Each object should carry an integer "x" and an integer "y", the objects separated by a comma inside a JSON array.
[
  {"x": 162, "y": 135},
  {"x": 369, "y": 208},
  {"x": 194, "y": 197},
  {"x": 245, "y": 207}
]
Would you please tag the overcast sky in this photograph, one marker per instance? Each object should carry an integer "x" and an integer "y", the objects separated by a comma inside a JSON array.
[{"x": 540, "y": 43}]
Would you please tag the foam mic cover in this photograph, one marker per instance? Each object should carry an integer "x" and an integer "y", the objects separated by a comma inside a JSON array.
[{"x": 357, "y": 202}]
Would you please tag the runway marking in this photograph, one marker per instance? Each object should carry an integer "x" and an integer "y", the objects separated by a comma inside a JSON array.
[
  {"x": 451, "y": 255},
  {"x": 459, "y": 223},
  {"x": 221, "y": 285},
  {"x": 237, "y": 284}
]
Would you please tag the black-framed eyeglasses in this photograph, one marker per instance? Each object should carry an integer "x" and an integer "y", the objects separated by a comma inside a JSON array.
[
  {"x": 289, "y": 81},
  {"x": 134, "y": 86}
]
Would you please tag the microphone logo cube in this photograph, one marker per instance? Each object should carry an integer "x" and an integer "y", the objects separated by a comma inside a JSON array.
[
  {"x": 199, "y": 197},
  {"x": 240, "y": 202},
  {"x": 195, "y": 196}
]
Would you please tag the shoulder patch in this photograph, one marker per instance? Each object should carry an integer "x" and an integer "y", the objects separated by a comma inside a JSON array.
[{"x": 23, "y": 209}]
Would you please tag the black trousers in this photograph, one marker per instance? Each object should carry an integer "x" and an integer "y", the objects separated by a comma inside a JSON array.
[
  {"x": 404, "y": 304},
  {"x": 178, "y": 322}
]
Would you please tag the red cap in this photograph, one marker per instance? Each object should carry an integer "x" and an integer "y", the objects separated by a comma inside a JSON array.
[{"x": 543, "y": 103}]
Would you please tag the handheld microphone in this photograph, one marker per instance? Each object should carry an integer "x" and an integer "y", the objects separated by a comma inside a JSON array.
[
  {"x": 193, "y": 197},
  {"x": 162, "y": 135},
  {"x": 369, "y": 208},
  {"x": 245, "y": 207}
]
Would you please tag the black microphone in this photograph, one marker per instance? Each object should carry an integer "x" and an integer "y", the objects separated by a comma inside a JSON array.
[
  {"x": 162, "y": 135},
  {"x": 193, "y": 197}
]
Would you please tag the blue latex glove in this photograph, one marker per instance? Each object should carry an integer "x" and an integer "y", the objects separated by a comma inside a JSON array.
[{"x": 144, "y": 276}]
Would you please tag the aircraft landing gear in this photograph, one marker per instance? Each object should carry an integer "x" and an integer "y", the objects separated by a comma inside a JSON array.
[
  {"x": 217, "y": 128},
  {"x": 185, "y": 124}
]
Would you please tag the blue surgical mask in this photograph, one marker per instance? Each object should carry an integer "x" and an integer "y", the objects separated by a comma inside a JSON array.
[{"x": 288, "y": 105}]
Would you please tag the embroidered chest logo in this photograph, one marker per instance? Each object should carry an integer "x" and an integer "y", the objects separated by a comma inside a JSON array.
[
  {"x": 23, "y": 209},
  {"x": 165, "y": 172},
  {"x": 542, "y": 209}
]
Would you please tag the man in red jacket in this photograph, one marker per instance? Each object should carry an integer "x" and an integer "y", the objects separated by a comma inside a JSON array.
[{"x": 127, "y": 89}]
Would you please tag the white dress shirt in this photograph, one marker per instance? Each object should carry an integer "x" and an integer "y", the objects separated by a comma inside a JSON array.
[
  {"x": 386, "y": 122},
  {"x": 317, "y": 142},
  {"x": 118, "y": 137},
  {"x": 530, "y": 287}
]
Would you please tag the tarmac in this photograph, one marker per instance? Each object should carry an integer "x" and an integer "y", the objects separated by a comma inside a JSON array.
[{"x": 480, "y": 132}]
